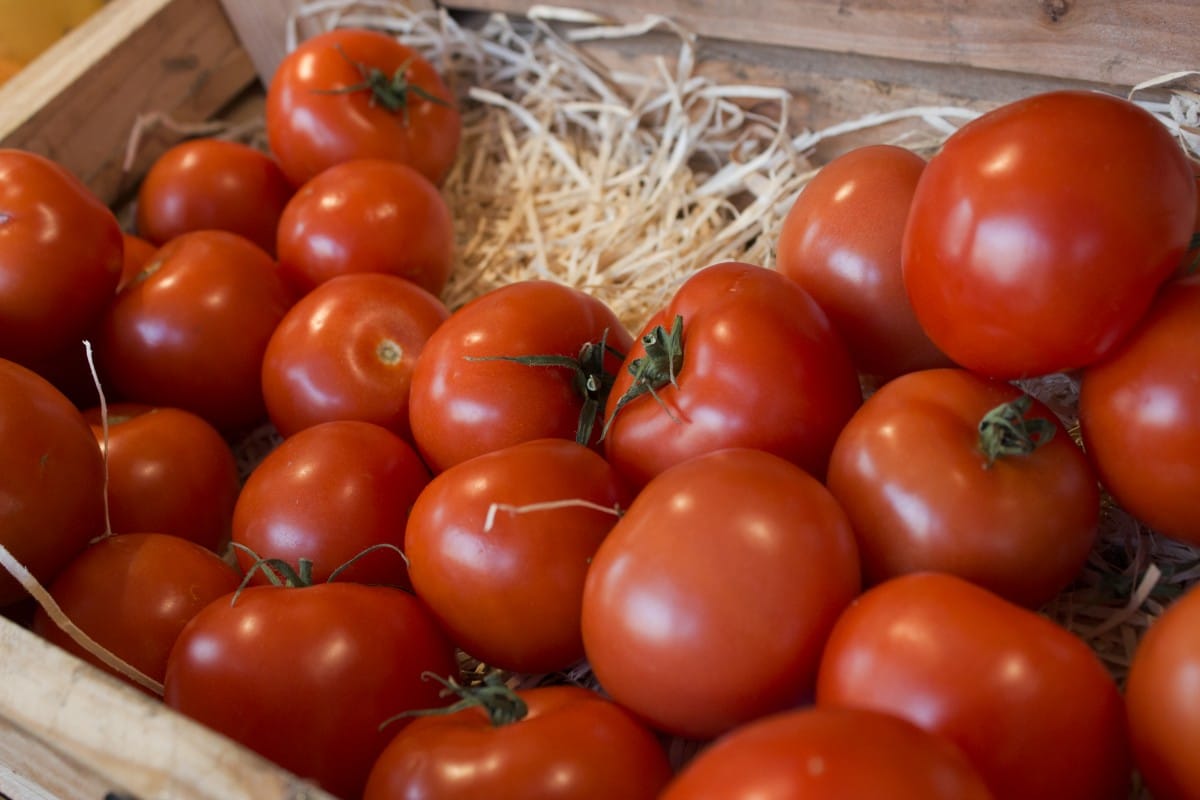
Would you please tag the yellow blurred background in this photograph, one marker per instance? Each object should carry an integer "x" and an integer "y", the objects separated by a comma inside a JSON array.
[{"x": 27, "y": 27}]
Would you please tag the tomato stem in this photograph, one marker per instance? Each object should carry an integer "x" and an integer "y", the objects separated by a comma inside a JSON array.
[
  {"x": 503, "y": 705},
  {"x": 1005, "y": 431},
  {"x": 393, "y": 92},
  {"x": 656, "y": 369}
]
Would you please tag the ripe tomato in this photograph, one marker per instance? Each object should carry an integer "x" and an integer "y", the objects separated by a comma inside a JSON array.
[
  {"x": 841, "y": 242},
  {"x": 561, "y": 742},
  {"x": 347, "y": 351},
  {"x": 757, "y": 364},
  {"x": 514, "y": 602},
  {"x": 328, "y": 493},
  {"x": 469, "y": 398},
  {"x": 215, "y": 184},
  {"x": 169, "y": 472},
  {"x": 829, "y": 754},
  {"x": 1139, "y": 415},
  {"x": 352, "y": 93},
  {"x": 911, "y": 469},
  {"x": 190, "y": 332},
  {"x": 52, "y": 501},
  {"x": 1028, "y": 702},
  {"x": 1040, "y": 232},
  {"x": 60, "y": 257},
  {"x": 133, "y": 594},
  {"x": 138, "y": 253},
  {"x": 366, "y": 215},
  {"x": 728, "y": 570},
  {"x": 306, "y": 676}
]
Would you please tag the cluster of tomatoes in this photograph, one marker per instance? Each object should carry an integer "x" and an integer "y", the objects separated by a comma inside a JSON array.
[{"x": 836, "y": 595}]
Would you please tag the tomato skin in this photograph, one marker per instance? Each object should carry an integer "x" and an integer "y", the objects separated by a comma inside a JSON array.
[
  {"x": 53, "y": 495},
  {"x": 737, "y": 560},
  {"x": 910, "y": 473},
  {"x": 829, "y": 754},
  {"x": 1031, "y": 249},
  {"x": 367, "y": 215},
  {"x": 461, "y": 407},
  {"x": 515, "y": 603},
  {"x": 572, "y": 744},
  {"x": 1029, "y": 703},
  {"x": 841, "y": 242},
  {"x": 1139, "y": 415},
  {"x": 60, "y": 257},
  {"x": 306, "y": 676},
  {"x": 314, "y": 120},
  {"x": 762, "y": 368},
  {"x": 138, "y": 253}
]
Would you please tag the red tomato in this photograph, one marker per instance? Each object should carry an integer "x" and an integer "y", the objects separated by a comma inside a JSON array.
[
  {"x": 1028, "y": 702},
  {"x": 514, "y": 602},
  {"x": 306, "y": 676},
  {"x": 757, "y": 365},
  {"x": 469, "y": 398},
  {"x": 133, "y": 594},
  {"x": 1139, "y": 415},
  {"x": 1040, "y": 232},
  {"x": 138, "y": 253},
  {"x": 1164, "y": 701},
  {"x": 565, "y": 742},
  {"x": 352, "y": 93},
  {"x": 52, "y": 500},
  {"x": 709, "y": 602},
  {"x": 367, "y": 215},
  {"x": 347, "y": 351},
  {"x": 328, "y": 493},
  {"x": 829, "y": 754},
  {"x": 60, "y": 257},
  {"x": 841, "y": 242},
  {"x": 169, "y": 472},
  {"x": 191, "y": 332},
  {"x": 912, "y": 470}
]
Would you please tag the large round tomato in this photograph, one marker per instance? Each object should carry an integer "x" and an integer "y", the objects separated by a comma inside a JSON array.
[
  {"x": 469, "y": 397},
  {"x": 367, "y": 215},
  {"x": 307, "y": 676},
  {"x": 943, "y": 470},
  {"x": 1139, "y": 415},
  {"x": 551, "y": 742},
  {"x": 1029, "y": 703},
  {"x": 352, "y": 93},
  {"x": 841, "y": 242},
  {"x": 52, "y": 500},
  {"x": 829, "y": 754},
  {"x": 514, "y": 602},
  {"x": 709, "y": 602},
  {"x": 1040, "y": 232},
  {"x": 60, "y": 257},
  {"x": 755, "y": 364}
]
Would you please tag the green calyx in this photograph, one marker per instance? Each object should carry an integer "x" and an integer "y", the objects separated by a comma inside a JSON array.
[
  {"x": 1006, "y": 431},
  {"x": 502, "y": 704},
  {"x": 654, "y": 370},
  {"x": 394, "y": 92}
]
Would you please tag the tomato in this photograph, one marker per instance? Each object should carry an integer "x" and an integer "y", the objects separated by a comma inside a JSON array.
[
  {"x": 367, "y": 215},
  {"x": 169, "y": 472},
  {"x": 756, "y": 364},
  {"x": 306, "y": 676},
  {"x": 352, "y": 93},
  {"x": 138, "y": 253},
  {"x": 347, "y": 351},
  {"x": 1162, "y": 698},
  {"x": 52, "y": 500},
  {"x": 327, "y": 494},
  {"x": 913, "y": 471},
  {"x": 133, "y": 594},
  {"x": 829, "y": 754},
  {"x": 514, "y": 601},
  {"x": 537, "y": 744},
  {"x": 468, "y": 397},
  {"x": 216, "y": 184},
  {"x": 1139, "y": 415},
  {"x": 190, "y": 331},
  {"x": 1029, "y": 703},
  {"x": 709, "y": 602},
  {"x": 1041, "y": 230},
  {"x": 60, "y": 257},
  {"x": 841, "y": 242}
]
